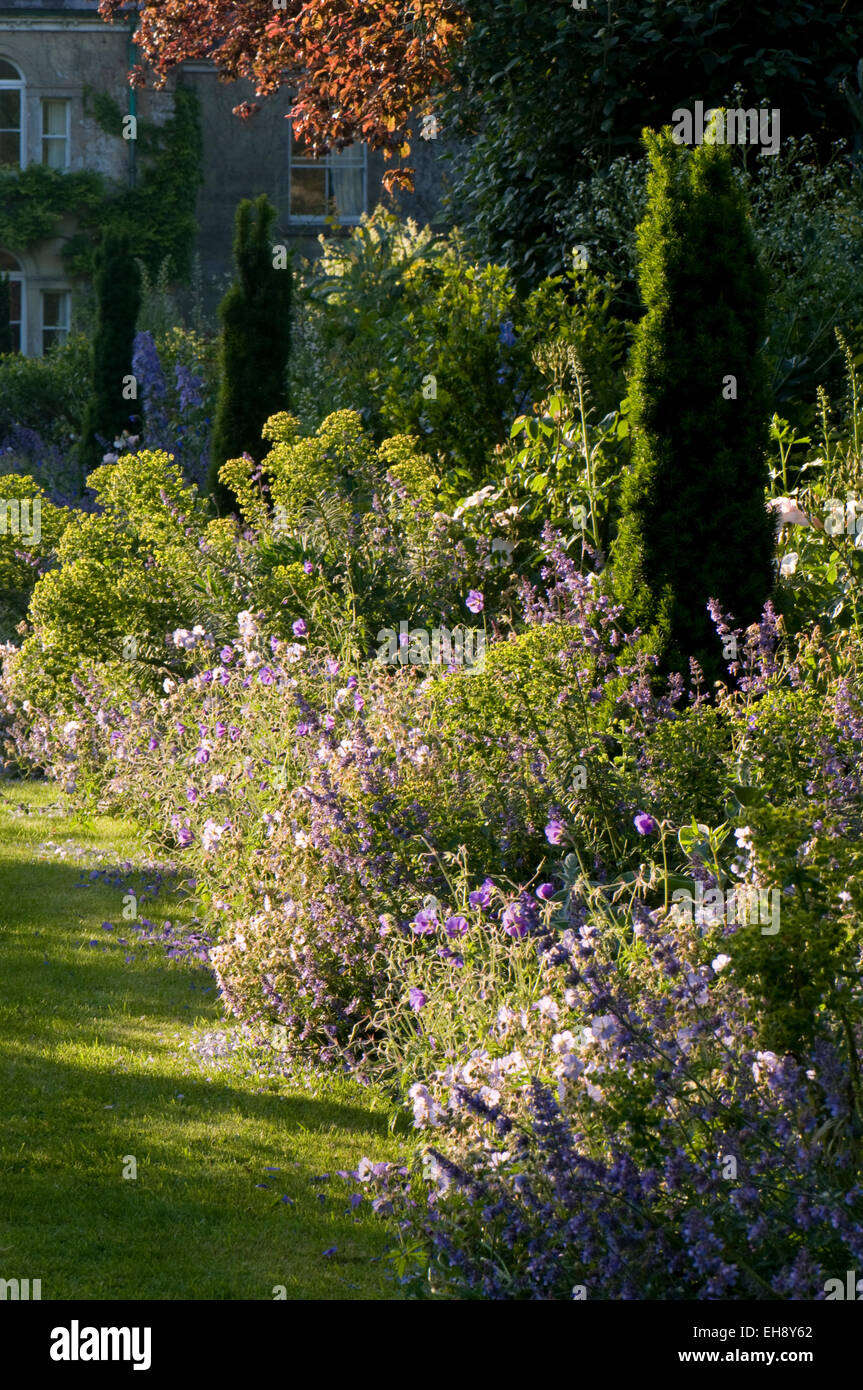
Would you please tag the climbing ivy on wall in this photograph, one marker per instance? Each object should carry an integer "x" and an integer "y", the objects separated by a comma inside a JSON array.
[
  {"x": 158, "y": 213},
  {"x": 33, "y": 200}
]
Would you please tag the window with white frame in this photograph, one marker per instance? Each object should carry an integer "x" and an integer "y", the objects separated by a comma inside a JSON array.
[
  {"x": 333, "y": 185},
  {"x": 55, "y": 318},
  {"x": 17, "y": 318},
  {"x": 55, "y": 133},
  {"x": 11, "y": 114}
]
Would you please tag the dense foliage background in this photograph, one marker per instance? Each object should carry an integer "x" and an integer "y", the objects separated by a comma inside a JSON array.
[{"x": 506, "y": 716}]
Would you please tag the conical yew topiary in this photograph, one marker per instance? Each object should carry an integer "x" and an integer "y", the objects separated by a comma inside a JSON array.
[
  {"x": 694, "y": 524},
  {"x": 117, "y": 285},
  {"x": 256, "y": 339}
]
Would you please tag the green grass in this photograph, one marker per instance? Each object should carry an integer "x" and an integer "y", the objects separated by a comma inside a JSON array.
[{"x": 95, "y": 1065}]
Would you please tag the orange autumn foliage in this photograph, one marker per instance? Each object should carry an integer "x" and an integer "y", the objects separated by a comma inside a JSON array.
[{"x": 358, "y": 68}]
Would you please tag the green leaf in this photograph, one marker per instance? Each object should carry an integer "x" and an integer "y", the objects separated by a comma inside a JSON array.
[
  {"x": 749, "y": 796},
  {"x": 692, "y": 836}
]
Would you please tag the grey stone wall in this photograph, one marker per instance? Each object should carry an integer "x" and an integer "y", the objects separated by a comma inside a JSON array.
[{"x": 62, "y": 46}]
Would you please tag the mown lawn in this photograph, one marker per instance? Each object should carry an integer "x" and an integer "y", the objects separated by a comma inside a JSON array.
[{"x": 97, "y": 1064}]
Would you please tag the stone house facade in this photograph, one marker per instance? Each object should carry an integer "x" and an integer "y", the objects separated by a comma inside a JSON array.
[{"x": 51, "y": 52}]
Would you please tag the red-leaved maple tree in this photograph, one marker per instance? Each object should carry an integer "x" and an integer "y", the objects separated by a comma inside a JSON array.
[{"x": 357, "y": 69}]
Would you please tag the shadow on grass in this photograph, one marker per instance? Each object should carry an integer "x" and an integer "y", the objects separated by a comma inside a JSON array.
[{"x": 33, "y": 1079}]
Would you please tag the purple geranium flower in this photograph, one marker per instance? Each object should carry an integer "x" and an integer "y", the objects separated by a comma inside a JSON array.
[
  {"x": 455, "y": 926},
  {"x": 299, "y": 628},
  {"x": 516, "y": 919},
  {"x": 644, "y": 824},
  {"x": 425, "y": 922},
  {"x": 555, "y": 831},
  {"x": 545, "y": 891},
  {"x": 417, "y": 999},
  {"x": 475, "y": 601},
  {"x": 481, "y": 897}
]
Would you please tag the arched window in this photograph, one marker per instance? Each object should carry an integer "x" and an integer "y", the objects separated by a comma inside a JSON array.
[
  {"x": 17, "y": 318},
  {"x": 11, "y": 114}
]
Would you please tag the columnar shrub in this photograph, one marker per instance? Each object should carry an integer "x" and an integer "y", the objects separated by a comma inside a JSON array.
[
  {"x": 256, "y": 336},
  {"x": 694, "y": 525},
  {"x": 118, "y": 294}
]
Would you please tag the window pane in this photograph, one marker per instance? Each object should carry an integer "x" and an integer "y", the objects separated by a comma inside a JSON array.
[
  {"x": 50, "y": 336},
  {"x": 54, "y": 118},
  {"x": 8, "y": 262},
  {"x": 10, "y": 147},
  {"x": 10, "y": 110},
  {"x": 353, "y": 155},
  {"x": 54, "y": 153},
  {"x": 308, "y": 192},
  {"x": 55, "y": 318},
  {"x": 8, "y": 72},
  {"x": 53, "y": 303},
  {"x": 15, "y": 313},
  {"x": 346, "y": 187}
]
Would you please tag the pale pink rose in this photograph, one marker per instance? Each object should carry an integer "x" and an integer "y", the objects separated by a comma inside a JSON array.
[{"x": 789, "y": 514}]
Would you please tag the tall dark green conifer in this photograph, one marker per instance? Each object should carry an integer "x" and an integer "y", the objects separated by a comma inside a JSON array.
[
  {"x": 256, "y": 339},
  {"x": 694, "y": 523},
  {"x": 117, "y": 285}
]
